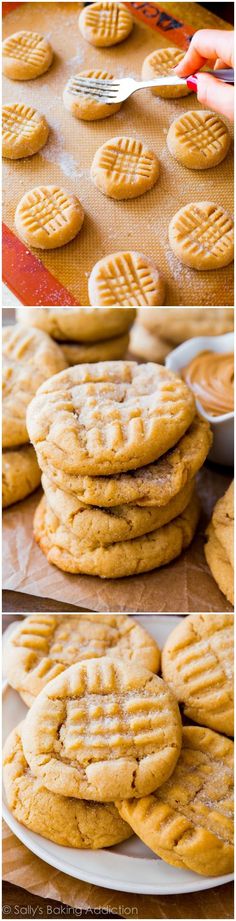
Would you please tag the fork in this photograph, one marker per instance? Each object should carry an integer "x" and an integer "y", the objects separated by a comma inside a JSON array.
[{"x": 111, "y": 91}]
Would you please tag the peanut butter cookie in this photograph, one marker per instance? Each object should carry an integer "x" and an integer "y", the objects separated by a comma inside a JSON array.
[
  {"x": 78, "y": 324},
  {"x": 152, "y": 485},
  {"x": 198, "y": 139},
  {"x": 44, "y": 645},
  {"x": 219, "y": 549},
  {"x": 108, "y": 417},
  {"x": 94, "y": 526},
  {"x": 181, "y": 323},
  {"x": 26, "y": 55},
  {"x": 124, "y": 558},
  {"x": 105, "y": 23},
  {"x": 29, "y": 356},
  {"x": 62, "y": 819},
  {"x": 124, "y": 168},
  {"x": 20, "y": 474},
  {"x": 197, "y": 662},
  {"x": 188, "y": 821},
  {"x": 103, "y": 729},
  {"x": 201, "y": 235},
  {"x": 24, "y": 131},
  {"x": 47, "y": 217}
]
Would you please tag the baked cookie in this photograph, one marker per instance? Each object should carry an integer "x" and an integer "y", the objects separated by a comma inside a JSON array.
[
  {"x": 154, "y": 484},
  {"x": 24, "y": 131},
  {"x": 29, "y": 357},
  {"x": 26, "y": 55},
  {"x": 108, "y": 417},
  {"x": 124, "y": 558},
  {"x": 197, "y": 663},
  {"x": 44, "y": 645},
  {"x": 223, "y": 522},
  {"x": 126, "y": 278},
  {"x": 188, "y": 821},
  {"x": 186, "y": 322},
  {"x": 219, "y": 549},
  {"x": 20, "y": 474},
  {"x": 85, "y": 105},
  {"x": 94, "y": 526},
  {"x": 47, "y": 217},
  {"x": 219, "y": 564},
  {"x": 198, "y": 139},
  {"x": 77, "y": 353},
  {"x": 201, "y": 235},
  {"x": 104, "y": 24},
  {"x": 124, "y": 168},
  {"x": 144, "y": 344},
  {"x": 78, "y": 324},
  {"x": 66, "y": 821},
  {"x": 159, "y": 64},
  {"x": 103, "y": 729}
]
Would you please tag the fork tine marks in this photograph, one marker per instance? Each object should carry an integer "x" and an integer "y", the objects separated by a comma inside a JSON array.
[{"x": 103, "y": 88}]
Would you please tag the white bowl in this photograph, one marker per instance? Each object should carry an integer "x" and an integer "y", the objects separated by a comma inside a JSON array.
[{"x": 222, "y": 451}]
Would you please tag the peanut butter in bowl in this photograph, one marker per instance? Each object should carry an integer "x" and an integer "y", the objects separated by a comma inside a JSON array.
[{"x": 210, "y": 375}]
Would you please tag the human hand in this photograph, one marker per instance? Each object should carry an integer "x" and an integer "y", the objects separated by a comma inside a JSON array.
[{"x": 218, "y": 46}]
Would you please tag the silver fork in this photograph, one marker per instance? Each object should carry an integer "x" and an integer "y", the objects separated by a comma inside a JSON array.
[{"x": 111, "y": 91}]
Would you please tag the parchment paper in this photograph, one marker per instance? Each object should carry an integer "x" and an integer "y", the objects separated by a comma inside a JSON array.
[
  {"x": 140, "y": 224},
  {"x": 183, "y": 586}
]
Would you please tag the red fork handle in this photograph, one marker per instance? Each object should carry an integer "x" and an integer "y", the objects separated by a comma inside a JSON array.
[{"x": 192, "y": 82}]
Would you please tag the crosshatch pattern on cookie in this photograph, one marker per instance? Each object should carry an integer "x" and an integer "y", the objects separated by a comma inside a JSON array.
[
  {"x": 208, "y": 231},
  {"x": 45, "y": 210},
  {"x": 126, "y": 157},
  {"x": 77, "y": 90},
  {"x": 198, "y": 663},
  {"x": 113, "y": 416},
  {"x": 18, "y": 119},
  {"x": 164, "y": 60},
  {"x": 102, "y": 719},
  {"x": 201, "y": 132},
  {"x": 28, "y": 47},
  {"x": 45, "y": 645},
  {"x": 107, "y": 21},
  {"x": 125, "y": 280},
  {"x": 189, "y": 819}
]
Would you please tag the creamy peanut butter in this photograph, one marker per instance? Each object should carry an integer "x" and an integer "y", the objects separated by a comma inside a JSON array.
[{"x": 211, "y": 377}]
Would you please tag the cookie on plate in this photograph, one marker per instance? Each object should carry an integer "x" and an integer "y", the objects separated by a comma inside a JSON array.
[
  {"x": 103, "y": 729},
  {"x": 108, "y": 417},
  {"x": 114, "y": 561},
  {"x": 29, "y": 357},
  {"x": 62, "y": 819},
  {"x": 44, "y": 645},
  {"x": 197, "y": 663},
  {"x": 20, "y": 474},
  {"x": 189, "y": 820},
  {"x": 219, "y": 549}
]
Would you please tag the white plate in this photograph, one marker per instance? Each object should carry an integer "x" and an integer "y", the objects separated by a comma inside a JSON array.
[{"x": 128, "y": 867}]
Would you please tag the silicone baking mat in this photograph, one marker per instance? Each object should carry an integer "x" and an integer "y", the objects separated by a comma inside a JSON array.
[{"x": 60, "y": 277}]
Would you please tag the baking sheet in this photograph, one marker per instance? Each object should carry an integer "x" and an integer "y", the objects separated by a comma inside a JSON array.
[
  {"x": 142, "y": 223},
  {"x": 183, "y": 586}
]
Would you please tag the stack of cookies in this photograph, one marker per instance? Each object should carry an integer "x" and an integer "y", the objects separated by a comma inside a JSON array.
[
  {"x": 159, "y": 330},
  {"x": 29, "y": 357},
  {"x": 84, "y": 335},
  {"x": 119, "y": 444},
  {"x": 219, "y": 549},
  {"x": 104, "y": 741}
]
